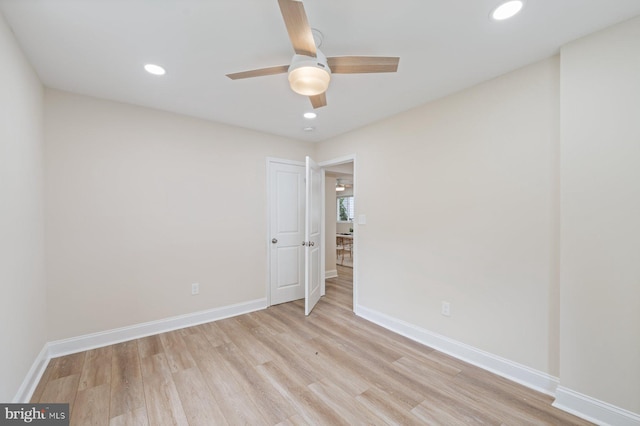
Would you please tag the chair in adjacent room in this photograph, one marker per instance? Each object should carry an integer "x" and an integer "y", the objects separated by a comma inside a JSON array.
[{"x": 343, "y": 246}]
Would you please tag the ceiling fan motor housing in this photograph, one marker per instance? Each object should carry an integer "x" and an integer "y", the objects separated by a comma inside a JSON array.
[{"x": 309, "y": 76}]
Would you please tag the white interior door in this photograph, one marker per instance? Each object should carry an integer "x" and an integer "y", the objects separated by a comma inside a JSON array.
[
  {"x": 287, "y": 231},
  {"x": 313, "y": 232}
]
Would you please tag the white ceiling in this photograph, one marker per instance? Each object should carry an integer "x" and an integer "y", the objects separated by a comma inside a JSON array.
[{"x": 98, "y": 48}]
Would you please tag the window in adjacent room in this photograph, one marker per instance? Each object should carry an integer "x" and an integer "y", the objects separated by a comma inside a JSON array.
[{"x": 345, "y": 209}]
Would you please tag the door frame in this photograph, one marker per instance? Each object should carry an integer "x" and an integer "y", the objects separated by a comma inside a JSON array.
[
  {"x": 350, "y": 158},
  {"x": 269, "y": 162}
]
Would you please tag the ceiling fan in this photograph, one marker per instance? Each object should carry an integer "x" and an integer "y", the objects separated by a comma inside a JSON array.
[
  {"x": 310, "y": 70},
  {"x": 341, "y": 186}
]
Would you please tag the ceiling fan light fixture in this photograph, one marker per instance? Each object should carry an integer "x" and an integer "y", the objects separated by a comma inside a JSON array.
[
  {"x": 309, "y": 76},
  {"x": 309, "y": 81}
]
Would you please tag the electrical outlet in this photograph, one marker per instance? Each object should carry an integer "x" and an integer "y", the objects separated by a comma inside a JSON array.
[
  {"x": 195, "y": 289},
  {"x": 446, "y": 309}
]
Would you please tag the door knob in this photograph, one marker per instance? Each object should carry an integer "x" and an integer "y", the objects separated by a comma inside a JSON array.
[{"x": 274, "y": 240}]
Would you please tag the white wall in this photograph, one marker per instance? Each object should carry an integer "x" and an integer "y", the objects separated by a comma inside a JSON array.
[
  {"x": 600, "y": 269},
  {"x": 479, "y": 194},
  {"x": 22, "y": 276},
  {"x": 142, "y": 203}
]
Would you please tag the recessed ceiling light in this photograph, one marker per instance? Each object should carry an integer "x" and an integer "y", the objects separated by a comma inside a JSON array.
[
  {"x": 507, "y": 10},
  {"x": 310, "y": 115},
  {"x": 309, "y": 129},
  {"x": 154, "y": 69}
]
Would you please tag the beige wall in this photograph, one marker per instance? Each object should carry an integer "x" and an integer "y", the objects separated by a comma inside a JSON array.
[
  {"x": 142, "y": 203},
  {"x": 479, "y": 217},
  {"x": 22, "y": 278},
  {"x": 600, "y": 270}
]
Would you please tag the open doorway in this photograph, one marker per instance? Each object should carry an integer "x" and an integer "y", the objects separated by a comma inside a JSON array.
[
  {"x": 340, "y": 222},
  {"x": 287, "y": 214}
]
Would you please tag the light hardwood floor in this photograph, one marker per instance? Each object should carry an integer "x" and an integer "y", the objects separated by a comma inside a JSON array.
[{"x": 278, "y": 367}]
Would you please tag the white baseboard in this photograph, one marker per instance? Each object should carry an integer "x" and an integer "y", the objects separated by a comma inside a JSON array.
[
  {"x": 95, "y": 340},
  {"x": 33, "y": 377},
  {"x": 136, "y": 331},
  {"x": 593, "y": 410},
  {"x": 529, "y": 377},
  {"x": 331, "y": 274}
]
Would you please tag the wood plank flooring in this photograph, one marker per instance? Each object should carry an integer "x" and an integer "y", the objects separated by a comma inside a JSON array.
[{"x": 278, "y": 367}]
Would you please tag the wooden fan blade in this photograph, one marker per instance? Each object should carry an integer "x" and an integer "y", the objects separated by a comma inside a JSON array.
[
  {"x": 259, "y": 72},
  {"x": 295, "y": 19},
  {"x": 318, "y": 101},
  {"x": 362, "y": 64}
]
